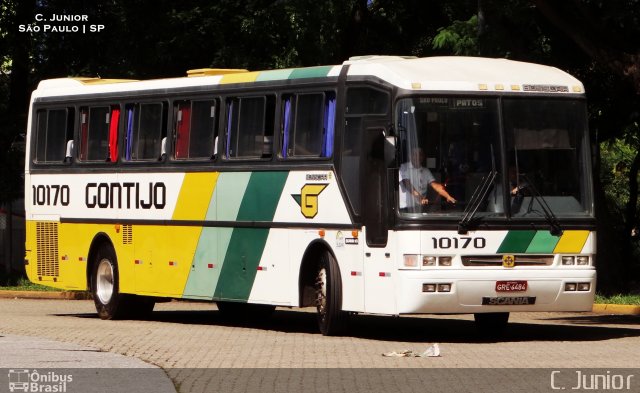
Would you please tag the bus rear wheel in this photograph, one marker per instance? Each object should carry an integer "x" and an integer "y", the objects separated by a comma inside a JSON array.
[
  {"x": 331, "y": 319},
  {"x": 105, "y": 287}
]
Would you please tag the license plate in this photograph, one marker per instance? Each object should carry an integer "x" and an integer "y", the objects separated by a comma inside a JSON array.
[{"x": 511, "y": 286}]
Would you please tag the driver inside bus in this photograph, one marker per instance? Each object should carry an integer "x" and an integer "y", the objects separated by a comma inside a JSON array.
[{"x": 414, "y": 182}]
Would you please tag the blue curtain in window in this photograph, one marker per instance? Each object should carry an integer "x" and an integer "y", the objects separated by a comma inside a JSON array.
[
  {"x": 129, "y": 136},
  {"x": 229, "y": 114},
  {"x": 329, "y": 126},
  {"x": 287, "y": 126}
]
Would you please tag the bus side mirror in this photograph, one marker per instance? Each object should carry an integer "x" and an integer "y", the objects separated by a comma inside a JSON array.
[{"x": 390, "y": 151}]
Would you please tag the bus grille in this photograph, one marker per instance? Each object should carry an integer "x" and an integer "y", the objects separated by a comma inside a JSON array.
[
  {"x": 47, "y": 248},
  {"x": 127, "y": 234},
  {"x": 496, "y": 260}
]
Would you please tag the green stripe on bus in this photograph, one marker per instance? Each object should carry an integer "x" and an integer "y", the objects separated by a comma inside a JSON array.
[
  {"x": 273, "y": 75},
  {"x": 246, "y": 245},
  {"x": 542, "y": 243},
  {"x": 213, "y": 242},
  {"x": 516, "y": 242},
  {"x": 311, "y": 72}
]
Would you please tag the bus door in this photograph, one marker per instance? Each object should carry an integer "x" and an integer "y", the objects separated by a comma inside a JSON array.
[{"x": 378, "y": 259}]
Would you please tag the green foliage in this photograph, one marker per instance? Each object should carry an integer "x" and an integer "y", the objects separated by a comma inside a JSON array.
[
  {"x": 461, "y": 37},
  {"x": 633, "y": 300}
]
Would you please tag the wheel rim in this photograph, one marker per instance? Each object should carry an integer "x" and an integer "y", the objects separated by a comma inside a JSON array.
[
  {"x": 321, "y": 293},
  {"x": 104, "y": 281}
]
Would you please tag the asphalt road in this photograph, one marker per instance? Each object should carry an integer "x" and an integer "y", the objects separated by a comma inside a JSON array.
[{"x": 200, "y": 351}]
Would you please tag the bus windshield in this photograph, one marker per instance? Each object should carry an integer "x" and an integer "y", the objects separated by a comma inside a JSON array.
[{"x": 450, "y": 149}]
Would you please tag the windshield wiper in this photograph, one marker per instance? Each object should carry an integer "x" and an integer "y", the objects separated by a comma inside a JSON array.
[
  {"x": 479, "y": 195},
  {"x": 551, "y": 218}
]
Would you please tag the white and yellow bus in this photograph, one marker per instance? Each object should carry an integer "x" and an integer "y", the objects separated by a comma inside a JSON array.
[{"x": 385, "y": 185}]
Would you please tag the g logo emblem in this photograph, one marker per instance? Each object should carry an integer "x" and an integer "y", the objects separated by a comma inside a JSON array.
[{"x": 308, "y": 199}]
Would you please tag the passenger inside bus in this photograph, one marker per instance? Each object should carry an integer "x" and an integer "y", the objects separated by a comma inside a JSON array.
[{"x": 415, "y": 181}]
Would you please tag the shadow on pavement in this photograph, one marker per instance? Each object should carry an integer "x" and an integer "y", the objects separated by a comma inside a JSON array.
[{"x": 418, "y": 329}]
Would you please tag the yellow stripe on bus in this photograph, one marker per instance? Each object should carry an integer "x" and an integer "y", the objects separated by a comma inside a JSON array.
[
  {"x": 571, "y": 242},
  {"x": 195, "y": 195},
  {"x": 242, "y": 77}
]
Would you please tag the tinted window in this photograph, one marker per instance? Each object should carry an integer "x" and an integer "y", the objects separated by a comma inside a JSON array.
[
  {"x": 195, "y": 129},
  {"x": 53, "y": 129},
  {"x": 144, "y": 131},
  {"x": 367, "y": 101},
  {"x": 250, "y": 127}
]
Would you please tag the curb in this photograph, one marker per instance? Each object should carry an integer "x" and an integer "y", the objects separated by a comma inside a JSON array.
[
  {"x": 623, "y": 309},
  {"x": 45, "y": 295}
]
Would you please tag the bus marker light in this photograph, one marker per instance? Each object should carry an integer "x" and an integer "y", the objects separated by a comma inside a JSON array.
[
  {"x": 81, "y": 259},
  {"x": 353, "y": 273},
  {"x": 570, "y": 286},
  {"x": 584, "y": 286},
  {"x": 211, "y": 266},
  {"x": 384, "y": 274},
  {"x": 354, "y": 233},
  {"x": 515, "y": 87},
  {"x": 428, "y": 287},
  {"x": 428, "y": 261},
  {"x": 172, "y": 263},
  {"x": 138, "y": 262},
  {"x": 117, "y": 227},
  {"x": 64, "y": 257},
  {"x": 582, "y": 260},
  {"x": 262, "y": 268},
  {"x": 444, "y": 287}
]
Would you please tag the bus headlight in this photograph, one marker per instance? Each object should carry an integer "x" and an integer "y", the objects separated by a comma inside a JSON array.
[
  {"x": 568, "y": 260},
  {"x": 410, "y": 261},
  {"x": 444, "y": 261}
]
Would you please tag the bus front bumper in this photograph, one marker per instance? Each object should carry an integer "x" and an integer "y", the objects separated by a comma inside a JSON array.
[{"x": 475, "y": 291}]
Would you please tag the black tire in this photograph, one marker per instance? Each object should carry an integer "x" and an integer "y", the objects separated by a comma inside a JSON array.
[
  {"x": 491, "y": 324},
  {"x": 105, "y": 285},
  {"x": 328, "y": 286}
]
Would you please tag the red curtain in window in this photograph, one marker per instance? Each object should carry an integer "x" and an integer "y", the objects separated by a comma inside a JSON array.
[
  {"x": 84, "y": 133},
  {"x": 183, "y": 127},
  {"x": 113, "y": 134}
]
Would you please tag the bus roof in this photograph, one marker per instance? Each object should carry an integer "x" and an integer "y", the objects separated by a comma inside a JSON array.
[{"x": 455, "y": 73}]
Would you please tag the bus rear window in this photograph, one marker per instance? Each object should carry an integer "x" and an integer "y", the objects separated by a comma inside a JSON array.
[{"x": 54, "y": 128}]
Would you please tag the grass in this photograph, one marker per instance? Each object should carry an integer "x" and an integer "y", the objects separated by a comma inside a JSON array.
[
  {"x": 23, "y": 284},
  {"x": 618, "y": 299}
]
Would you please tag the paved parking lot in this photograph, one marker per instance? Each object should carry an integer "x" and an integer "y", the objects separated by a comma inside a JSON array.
[{"x": 187, "y": 338}]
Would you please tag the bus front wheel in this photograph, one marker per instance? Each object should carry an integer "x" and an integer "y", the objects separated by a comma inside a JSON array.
[{"x": 331, "y": 318}]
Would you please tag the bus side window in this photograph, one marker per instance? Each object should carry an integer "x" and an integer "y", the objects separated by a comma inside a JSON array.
[
  {"x": 195, "y": 129},
  {"x": 250, "y": 122},
  {"x": 54, "y": 128},
  {"x": 99, "y": 133},
  {"x": 308, "y": 125},
  {"x": 144, "y": 131}
]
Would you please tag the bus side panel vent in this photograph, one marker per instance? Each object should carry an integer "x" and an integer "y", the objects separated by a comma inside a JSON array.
[
  {"x": 48, "y": 264},
  {"x": 127, "y": 234}
]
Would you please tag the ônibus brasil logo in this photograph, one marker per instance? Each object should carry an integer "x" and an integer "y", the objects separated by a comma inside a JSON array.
[{"x": 33, "y": 381}]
